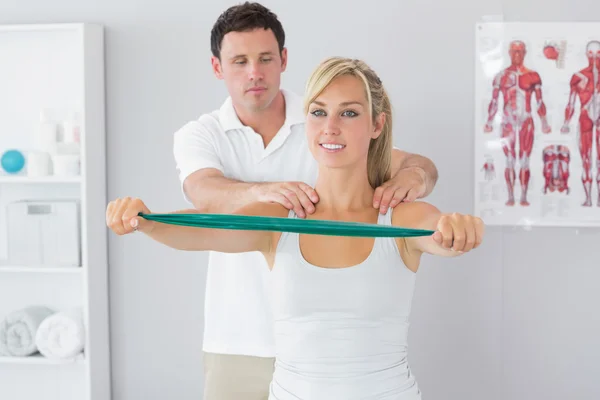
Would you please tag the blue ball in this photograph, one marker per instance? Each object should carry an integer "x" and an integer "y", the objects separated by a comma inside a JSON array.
[{"x": 12, "y": 161}]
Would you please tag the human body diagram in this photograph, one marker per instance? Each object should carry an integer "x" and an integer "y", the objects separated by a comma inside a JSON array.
[
  {"x": 556, "y": 160},
  {"x": 518, "y": 85},
  {"x": 585, "y": 86}
]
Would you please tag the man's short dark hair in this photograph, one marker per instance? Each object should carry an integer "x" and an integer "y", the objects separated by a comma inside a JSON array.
[{"x": 242, "y": 18}]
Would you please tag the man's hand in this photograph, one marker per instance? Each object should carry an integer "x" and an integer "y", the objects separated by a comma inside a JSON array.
[
  {"x": 407, "y": 185},
  {"x": 292, "y": 195}
]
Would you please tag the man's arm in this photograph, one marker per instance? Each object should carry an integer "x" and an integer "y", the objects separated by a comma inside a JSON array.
[
  {"x": 402, "y": 160},
  {"x": 204, "y": 184},
  {"x": 211, "y": 192},
  {"x": 413, "y": 176}
]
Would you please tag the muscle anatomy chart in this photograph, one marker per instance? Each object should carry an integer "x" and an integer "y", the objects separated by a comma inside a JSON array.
[
  {"x": 556, "y": 168},
  {"x": 537, "y": 122},
  {"x": 517, "y": 84},
  {"x": 585, "y": 87}
]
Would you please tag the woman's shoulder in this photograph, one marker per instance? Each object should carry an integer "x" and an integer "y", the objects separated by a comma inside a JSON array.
[
  {"x": 263, "y": 209},
  {"x": 414, "y": 214}
]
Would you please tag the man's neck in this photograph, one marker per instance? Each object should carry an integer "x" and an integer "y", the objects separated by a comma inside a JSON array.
[{"x": 266, "y": 122}]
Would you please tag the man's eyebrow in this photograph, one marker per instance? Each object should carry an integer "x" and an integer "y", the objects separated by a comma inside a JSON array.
[{"x": 264, "y": 53}]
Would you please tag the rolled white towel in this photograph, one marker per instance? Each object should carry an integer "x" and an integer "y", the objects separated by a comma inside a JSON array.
[
  {"x": 62, "y": 335},
  {"x": 19, "y": 328}
]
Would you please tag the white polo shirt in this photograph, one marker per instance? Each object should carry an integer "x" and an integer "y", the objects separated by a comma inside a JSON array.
[{"x": 237, "y": 315}]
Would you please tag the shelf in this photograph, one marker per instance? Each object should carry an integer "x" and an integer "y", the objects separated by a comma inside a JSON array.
[
  {"x": 59, "y": 68},
  {"x": 40, "y": 27},
  {"x": 41, "y": 269},
  {"x": 40, "y": 360},
  {"x": 45, "y": 179}
]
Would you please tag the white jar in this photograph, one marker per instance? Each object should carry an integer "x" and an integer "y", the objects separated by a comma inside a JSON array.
[
  {"x": 66, "y": 164},
  {"x": 38, "y": 164},
  {"x": 46, "y": 133},
  {"x": 72, "y": 129}
]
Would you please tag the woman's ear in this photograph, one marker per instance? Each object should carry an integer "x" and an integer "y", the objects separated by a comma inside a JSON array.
[{"x": 378, "y": 125}]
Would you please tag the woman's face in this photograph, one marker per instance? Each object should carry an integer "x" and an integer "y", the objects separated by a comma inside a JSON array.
[{"x": 339, "y": 127}]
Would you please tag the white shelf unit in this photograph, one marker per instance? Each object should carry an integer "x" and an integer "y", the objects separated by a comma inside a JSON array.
[
  {"x": 43, "y": 179},
  {"x": 40, "y": 269},
  {"x": 58, "y": 67},
  {"x": 39, "y": 360}
]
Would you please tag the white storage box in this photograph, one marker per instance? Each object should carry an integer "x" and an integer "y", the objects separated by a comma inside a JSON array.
[{"x": 44, "y": 233}]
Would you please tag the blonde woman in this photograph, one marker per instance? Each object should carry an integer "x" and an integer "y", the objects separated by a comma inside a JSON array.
[{"x": 341, "y": 304}]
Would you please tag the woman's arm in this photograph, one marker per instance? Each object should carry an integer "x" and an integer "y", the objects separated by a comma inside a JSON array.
[
  {"x": 122, "y": 217},
  {"x": 454, "y": 235}
]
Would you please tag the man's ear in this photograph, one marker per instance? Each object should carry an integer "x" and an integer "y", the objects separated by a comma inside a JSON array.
[
  {"x": 378, "y": 125},
  {"x": 216, "y": 67},
  {"x": 284, "y": 58}
]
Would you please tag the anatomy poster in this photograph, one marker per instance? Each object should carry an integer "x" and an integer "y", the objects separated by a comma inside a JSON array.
[{"x": 537, "y": 124}]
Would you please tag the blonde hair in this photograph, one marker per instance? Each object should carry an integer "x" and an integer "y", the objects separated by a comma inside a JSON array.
[{"x": 379, "y": 160}]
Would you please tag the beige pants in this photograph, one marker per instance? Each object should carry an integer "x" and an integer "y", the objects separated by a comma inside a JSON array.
[{"x": 234, "y": 377}]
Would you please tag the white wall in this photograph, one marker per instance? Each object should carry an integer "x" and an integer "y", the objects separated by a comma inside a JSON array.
[{"x": 515, "y": 320}]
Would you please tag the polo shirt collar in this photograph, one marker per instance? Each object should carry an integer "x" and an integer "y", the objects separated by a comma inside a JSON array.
[
  {"x": 294, "y": 113},
  {"x": 294, "y": 109}
]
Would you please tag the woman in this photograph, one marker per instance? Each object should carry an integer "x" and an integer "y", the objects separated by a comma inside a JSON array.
[{"x": 341, "y": 304}]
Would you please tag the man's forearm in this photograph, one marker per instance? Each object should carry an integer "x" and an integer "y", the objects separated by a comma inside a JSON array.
[
  {"x": 429, "y": 169},
  {"x": 220, "y": 195},
  {"x": 403, "y": 160}
]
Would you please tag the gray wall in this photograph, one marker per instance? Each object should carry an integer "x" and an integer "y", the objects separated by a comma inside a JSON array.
[{"x": 517, "y": 319}]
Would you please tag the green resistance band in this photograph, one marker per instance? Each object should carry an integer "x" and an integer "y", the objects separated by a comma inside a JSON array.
[{"x": 297, "y": 225}]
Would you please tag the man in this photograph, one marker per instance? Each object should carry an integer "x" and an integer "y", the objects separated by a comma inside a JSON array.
[
  {"x": 517, "y": 84},
  {"x": 254, "y": 149}
]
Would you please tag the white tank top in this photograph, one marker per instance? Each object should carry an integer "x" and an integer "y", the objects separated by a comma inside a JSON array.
[{"x": 341, "y": 333}]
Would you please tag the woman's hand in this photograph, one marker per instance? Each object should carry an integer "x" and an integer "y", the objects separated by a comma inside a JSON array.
[
  {"x": 122, "y": 216},
  {"x": 459, "y": 232}
]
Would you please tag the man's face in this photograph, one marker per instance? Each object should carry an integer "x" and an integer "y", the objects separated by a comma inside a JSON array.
[
  {"x": 251, "y": 67},
  {"x": 517, "y": 53}
]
